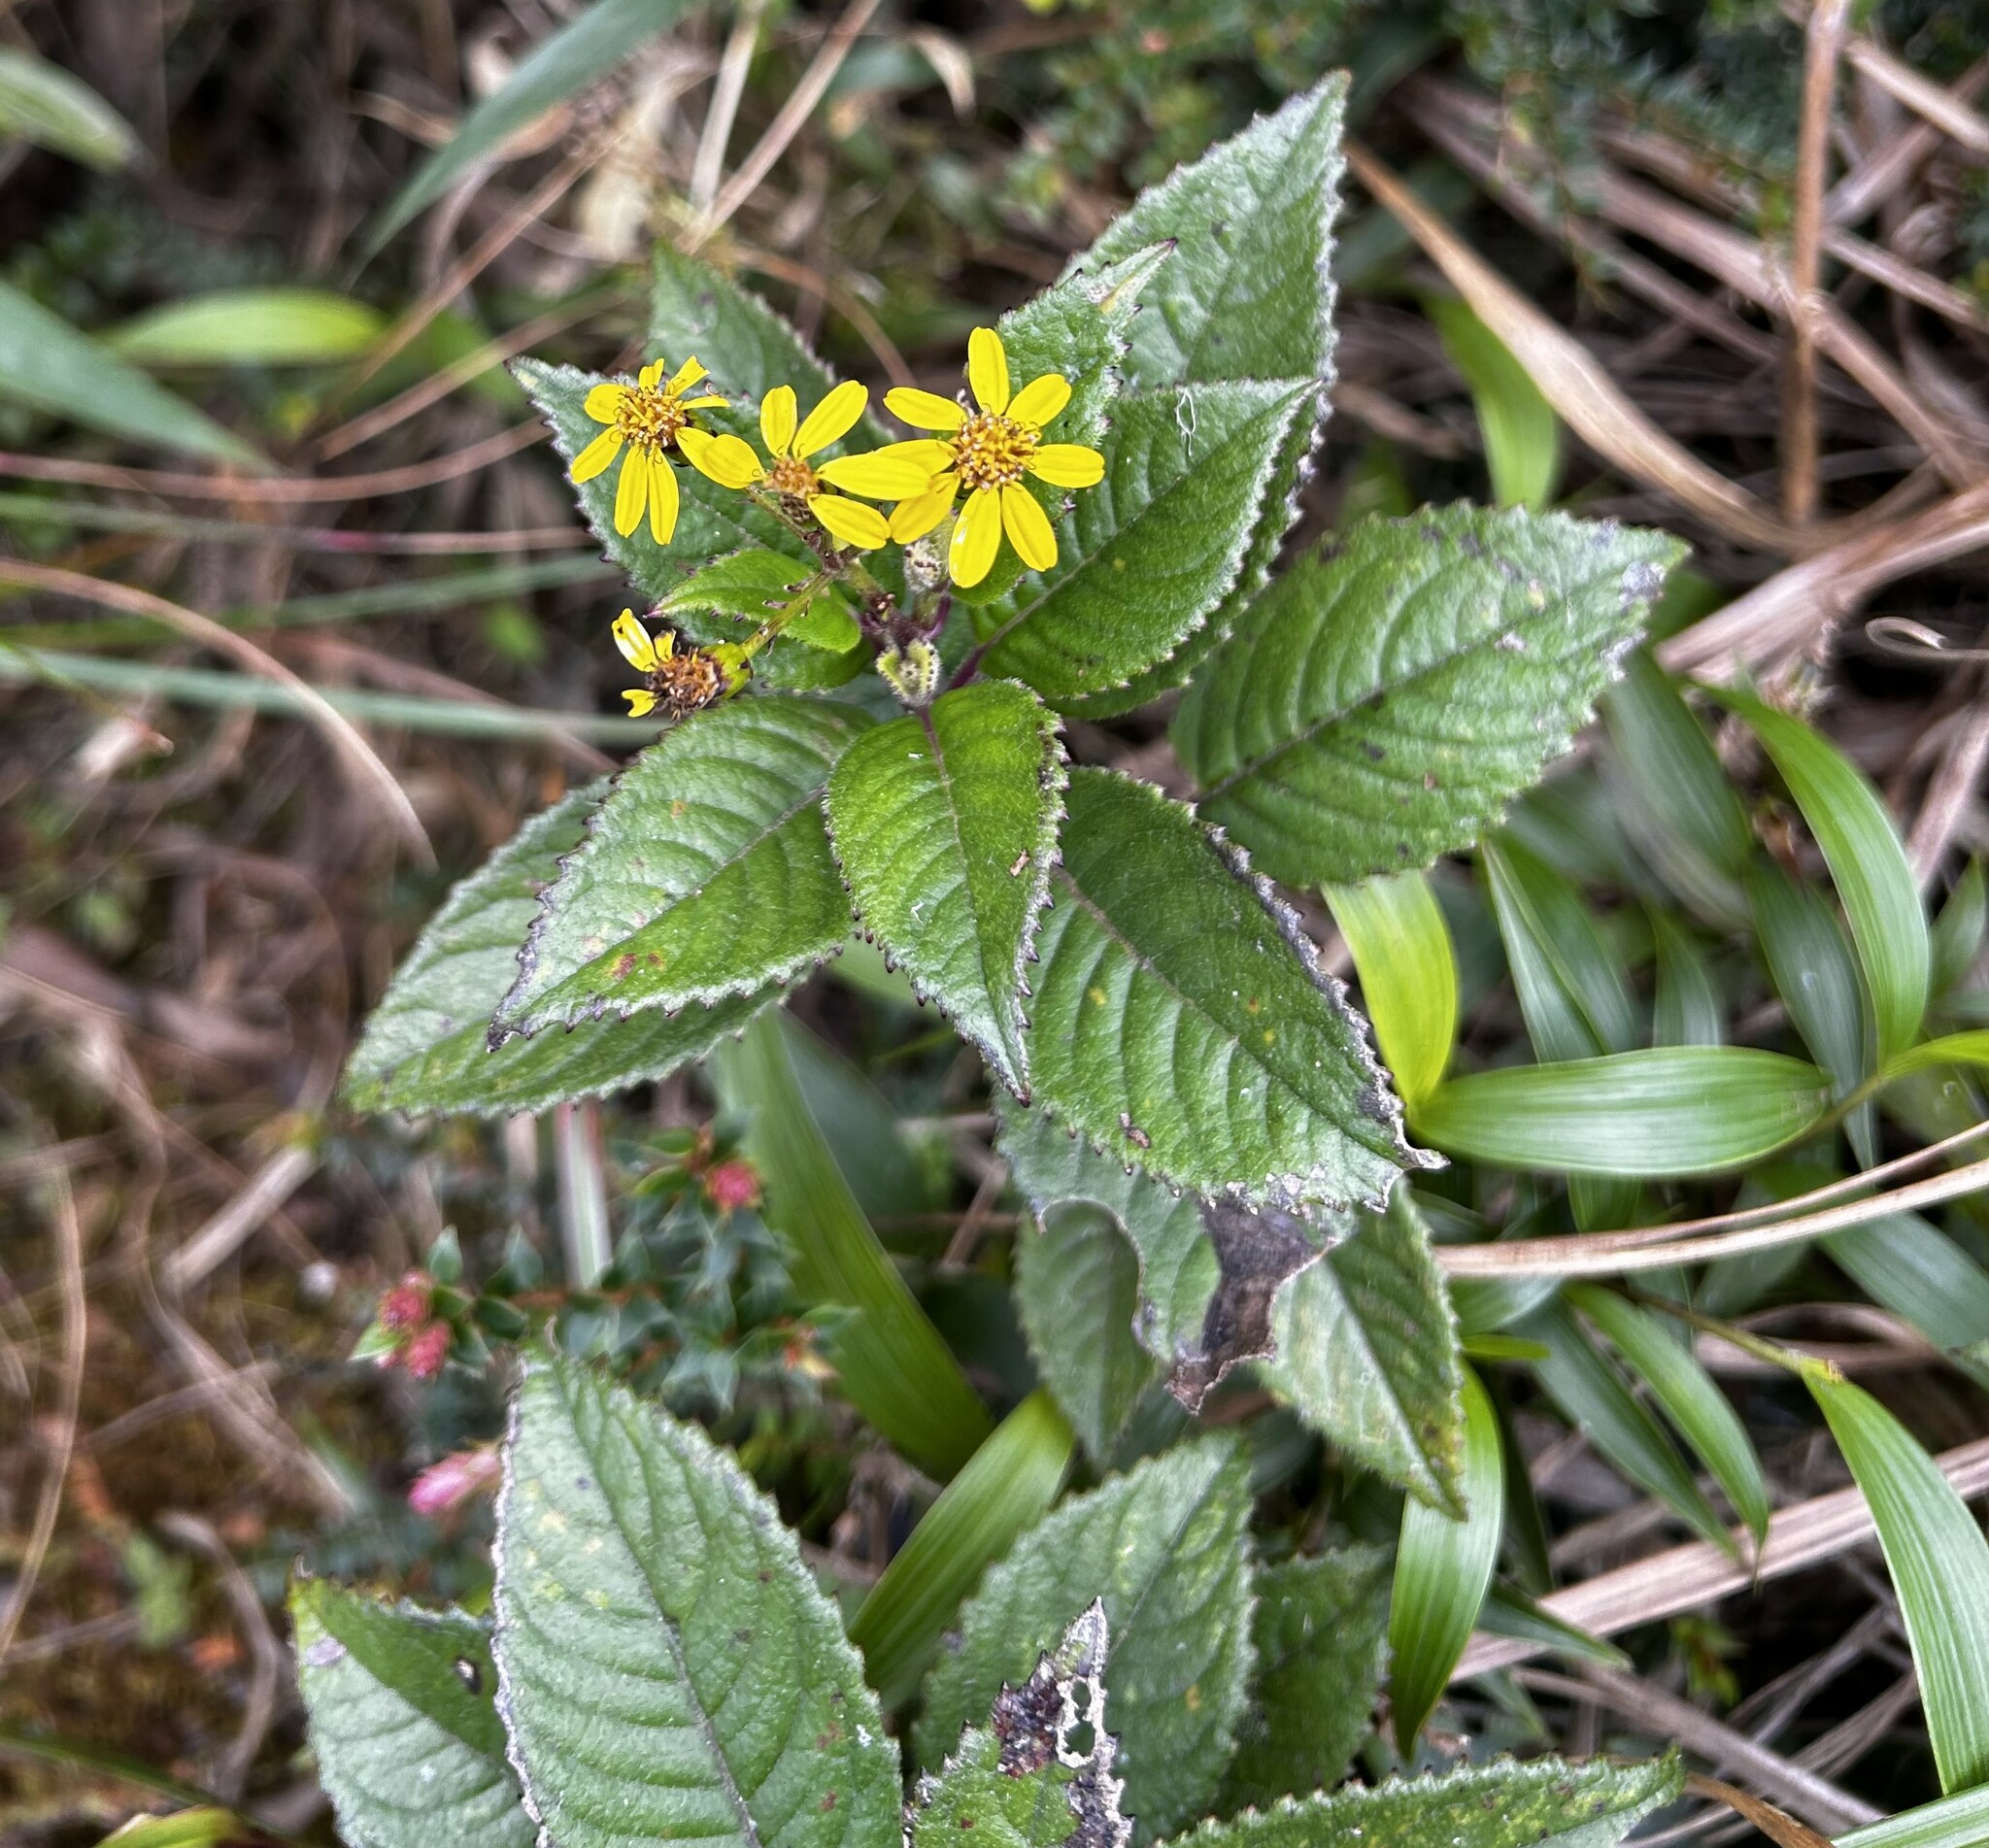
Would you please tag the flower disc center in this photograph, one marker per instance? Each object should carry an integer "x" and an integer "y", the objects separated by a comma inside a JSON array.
[
  {"x": 651, "y": 418},
  {"x": 791, "y": 475},
  {"x": 992, "y": 451}
]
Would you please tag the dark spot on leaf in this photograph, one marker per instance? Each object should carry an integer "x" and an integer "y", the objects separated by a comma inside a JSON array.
[
  {"x": 623, "y": 966},
  {"x": 1219, "y": 228},
  {"x": 1374, "y": 751},
  {"x": 469, "y": 1674},
  {"x": 742, "y": 1637},
  {"x": 1255, "y": 1253},
  {"x": 765, "y": 1575},
  {"x": 827, "y": 1801},
  {"x": 1472, "y": 545},
  {"x": 1641, "y": 581}
]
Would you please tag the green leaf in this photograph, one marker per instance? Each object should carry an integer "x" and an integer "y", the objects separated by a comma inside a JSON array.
[
  {"x": 249, "y": 327},
  {"x": 403, "y": 1721},
  {"x": 1443, "y": 1567},
  {"x": 1939, "y": 1566},
  {"x": 1592, "y": 1394},
  {"x": 1961, "y": 1821},
  {"x": 1670, "y": 763},
  {"x": 1573, "y": 990},
  {"x": 1512, "y": 1613},
  {"x": 1394, "y": 690},
  {"x": 1687, "y": 1008},
  {"x": 1402, "y": 955},
  {"x": 42, "y": 103},
  {"x": 1696, "y": 1408},
  {"x": 751, "y": 585},
  {"x": 1367, "y": 1351},
  {"x": 1167, "y": 1547},
  {"x": 945, "y": 823},
  {"x": 560, "y": 66},
  {"x": 425, "y": 1048},
  {"x": 1957, "y": 934},
  {"x": 1811, "y": 961},
  {"x": 1520, "y": 434},
  {"x": 891, "y": 1362},
  {"x": 1247, "y": 294},
  {"x": 704, "y": 874},
  {"x": 1199, "y": 1038},
  {"x": 1543, "y": 1803},
  {"x": 1006, "y": 1488},
  {"x": 46, "y": 363},
  {"x": 1077, "y": 1295},
  {"x": 1971, "y": 1048},
  {"x": 1320, "y": 1629},
  {"x": 1149, "y": 551},
  {"x": 1020, "y": 1781},
  {"x": 697, "y": 309},
  {"x": 1874, "y": 877},
  {"x": 1669, "y": 1111},
  {"x": 669, "y": 1668},
  {"x": 1918, "y": 1272}
]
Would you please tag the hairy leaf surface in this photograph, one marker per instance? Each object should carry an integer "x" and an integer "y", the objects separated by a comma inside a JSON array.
[
  {"x": 1542, "y": 1803},
  {"x": 1396, "y": 689},
  {"x": 945, "y": 823},
  {"x": 425, "y": 1045},
  {"x": 669, "y": 1668},
  {"x": 1183, "y": 1022},
  {"x": 705, "y": 873},
  {"x": 1365, "y": 1348},
  {"x": 409, "y": 1745},
  {"x": 1154, "y": 546},
  {"x": 1167, "y": 1547},
  {"x": 1319, "y": 1630}
]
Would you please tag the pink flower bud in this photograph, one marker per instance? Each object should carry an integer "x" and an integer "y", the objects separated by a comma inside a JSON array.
[
  {"x": 443, "y": 1487},
  {"x": 406, "y": 1304},
  {"x": 731, "y": 1185},
  {"x": 423, "y": 1355}
]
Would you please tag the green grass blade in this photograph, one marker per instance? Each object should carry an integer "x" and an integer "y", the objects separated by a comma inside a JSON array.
[
  {"x": 1961, "y": 1821},
  {"x": 1403, "y": 953},
  {"x": 1522, "y": 436},
  {"x": 1006, "y": 1488},
  {"x": 249, "y": 327},
  {"x": 42, "y": 103}
]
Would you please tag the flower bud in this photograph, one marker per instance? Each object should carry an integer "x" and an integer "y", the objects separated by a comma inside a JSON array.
[
  {"x": 443, "y": 1487},
  {"x": 406, "y": 1304},
  {"x": 424, "y": 1355},
  {"x": 731, "y": 1185}
]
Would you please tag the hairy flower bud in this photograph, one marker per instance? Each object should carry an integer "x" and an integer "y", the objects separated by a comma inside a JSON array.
[
  {"x": 406, "y": 1304},
  {"x": 443, "y": 1487},
  {"x": 731, "y": 1185},
  {"x": 424, "y": 1355}
]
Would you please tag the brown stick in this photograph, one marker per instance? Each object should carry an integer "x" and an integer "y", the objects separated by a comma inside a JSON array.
[{"x": 1825, "y": 38}]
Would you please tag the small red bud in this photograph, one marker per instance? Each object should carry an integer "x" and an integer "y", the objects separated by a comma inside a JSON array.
[
  {"x": 731, "y": 1185},
  {"x": 423, "y": 1355},
  {"x": 406, "y": 1304}
]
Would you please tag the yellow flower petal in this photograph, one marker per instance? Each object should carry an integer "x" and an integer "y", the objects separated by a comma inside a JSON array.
[
  {"x": 641, "y": 701},
  {"x": 976, "y": 538},
  {"x": 896, "y": 473},
  {"x": 728, "y": 460},
  {"x": 1040, "y": 400},
  {"x": 914, "y": 519},
  {"x": 850, "y": 521},
  {"x": 604, "y": 400},
  {"x": 631, "y": 492},
  {"x": 988, "y": 370},
  {"x": 594, "y": 458},
  {"x": 1068, "y": 465},
  {"x": 632, "y": 639},
  {"x": 777, "y": 415},
  {"x": 685, "y": 377},
  {"x": 662, "y": 502},
  {"x": 924, "y": 410},
  {"x": 1027, "y": 527},
  {"x": 832, "y": 419},
  {"x": 647, "y": 378},
  {"x": 711, "y": 401}
]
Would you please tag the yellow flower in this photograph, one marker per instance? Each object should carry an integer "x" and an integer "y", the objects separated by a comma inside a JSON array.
[
  {"x": 987, "y": 453},
  {"x": 679, "y": 683},
  {"x": 729, "y": 461},
  {"x": 648, "y": 417}
]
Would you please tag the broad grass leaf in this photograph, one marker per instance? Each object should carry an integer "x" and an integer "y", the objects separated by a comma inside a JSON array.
[
  {"x": 1398, "y": 687},
  {"x": 1407, "y": 970},
  {"x": 249, "y": 327},
  {"x": 945, "y": 823},
  {"x": 1697, "y": 1410},
  {"x": 1367, "y": 1352},
  {"x": 1077, "y": 1294},
  {"x": 1874, "y": 877},
  {"x": 1509, "y": 1612},
  {"x": 1961, "y": 1821},
  {"x": 1200, "y": 1037},
  {"x": 1006, "y": 1488},
  {"x": 1167, "y": 1546},
  {"x": 1443, "y": 1567},
  {"x": 1666, "y": 1111},
  {"x": 892, "y": 1363},
  {"x": 1544, "y": 1802},
  {"x": 705, "y": 873},
  {"x": 42, "y": 103},
  {"x": 425, "y": 1049},
  {"x": 1520, "y": 434},
  {"x": 1320, "y": 1629},
  {"x": 559, "y": 67},
  {"x": 46, "y": 363},
  {"x": 1957, "y": 934},
  {"x": 1687, "y": 1008},
  {"x": 404, "y": 1725},
  {"x": 1920, "y": 1273},
  {"x": 669, "y": 1667},
  {"x": 1971, "y": 1048},
  {"x": 1592, "y": 1394},
  {"x": 1940, "y": 1564}
]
